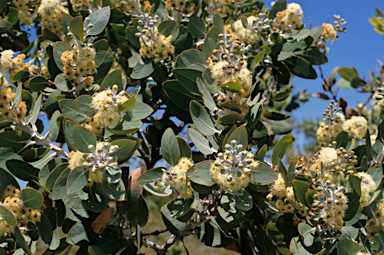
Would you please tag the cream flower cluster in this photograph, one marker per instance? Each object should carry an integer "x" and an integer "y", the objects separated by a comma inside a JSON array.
[
  {"x": 227, "y": 64},
  {"x": 177, "y": 177},
  {"x": 26, "y": 11},
  {"x": 105, "y": 103},
  {"x": 8, "y": 110},
  {"x": 290, "y": 18},
  {"x": 367, "y": 186},
  {"x": 79, "y": 66},
  {"x": 356, "y": 127},
  {"x": 152, "y": 43},
  {"x": 329, "y": 206},
  {"x": 231, "y": 169},
  {"x": 51, "y": 12},
  {"x": 128, "y": 6},
  {"x": 330, "y": 126},
  {"x": 374, "y": 224},
  {"x": 285, "y": 199},
  {"x": 184, "y": 7},
  {"x": 23, "y": 214},
  {"x": 98, "y": 161},
  {"x": 13, "y": 64},
  {"x": 329, "y": 32}
]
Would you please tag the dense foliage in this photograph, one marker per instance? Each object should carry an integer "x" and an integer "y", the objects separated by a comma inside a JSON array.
[{"x": 202, "y": 87}]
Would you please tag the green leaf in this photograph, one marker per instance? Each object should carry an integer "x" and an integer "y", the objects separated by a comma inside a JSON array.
[
  {"x": 167, "y": 27},
  {"x": 170, "y": 147},
  {"x": 101, "y": 48},
  {"x": 99, "y": 19},
  {"x": 187, "y": 78},
  {"x": 113, "y": 78},
  {"x": 377, "y": 174},
  {"x": 96, "y": 201},
  {"x": 346, "y": 246},
  {"x": 262, "y": 175},
  {"x": 347, "y": 73},
  {"x": 231, "y": 119},
  {"x": 45, "y": 229},
  {"x": 378, "y": 242},
  {"x": 201, "y": 170},
  {"x": 55, "y": 242},
  {"x": 194, "y": 59},
  {"x": 78, "y": 110},
  {"x": 185, "y": 150},
  {"x": 104, "y": 68},
  {"x": 35, "y": 111},
  {"x": 126, "y": 148},
  {"x": 309, "y": 197},
  {"x": 77, "y": 179},
  {"x": 65, "y": 19},
  {"x": 307, "y": 232},
  {"x": 201, "y": 119},
  {"x": 286, "y": 226},
  {"x": 244, "y": 201},
  {"x": 53, "y": 175},
  {"x": 83, "y": 138},
  {"x": 259, "y": 57},
  {"x": 301, "y": 67},
  {"x": 355, "y": 183},
  {"x": 172, "y": 224},
  {"x": 148, "y": 182},
  {"x": 314, "y": 56},
  {"x": 77, "y": 233},
  {"x": 231, "y": 87},
  {"x": 76, "y": 27},
  {"x": 60, "y": 187},
  {"x": 240, "y": 135},
  {"x": 13, "y": 138},
  {"x": 94, "y": 250},
  {"x": 300, "y": 188},
  {"x": 281, "y": 147},
  {"x": 127, "y": 105},
  {"x": 218, "y": 21},
  {"x": 114, "y": 191},
  {"x": 62, "y": 83},
  {"x": 22, "y": 170},
  {"x": 12, "y": 15},
  {"x": 4, "y": 26},
  {"x": 142, "y": 70},
  {"x": 353, "y": 206},
  {"x": 20, "y": 239},
  {"x": 7, "y": 179},
  {"x": 196, "y": 27},
  {"x": 132, "y": 38},
  {"x": 200, "y": 142},
  {"x": 280, "y": 5},
  {"x": 179, "y": 95},
  {"x": 53, "y": 129},
  {"x": 208, "y": 100},
  {"x": 179, "y": 206},
  {"x": 7, "y": 215},
  {"x": 32, "y": 198}
]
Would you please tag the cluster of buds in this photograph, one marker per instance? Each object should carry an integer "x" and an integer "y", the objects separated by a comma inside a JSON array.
[
  {"x": 231, "y": 169},
  {"x": 105, "y": 103},
  {"x": 79, "y": 66},
  {"x": 129, "y": 7},
  {"x": 340, "y": 24},
  {"x": 9, "y": 110},
  {"x": 23, "y": 214},
  {"x": 176, "y": 177},
  {"x": 101, "y": 164},
  {"x": 379, "y": 93},
  {"x": 331, "y": 125},
  {"x": 152, "y": 43},
  {"x": 227, "y": 64},
  {"x": 222, "y": 7},
  {"x": 183, "y": 7},
  {"x": 329, "y": 164},
  {"x": 329, "y": 206}
]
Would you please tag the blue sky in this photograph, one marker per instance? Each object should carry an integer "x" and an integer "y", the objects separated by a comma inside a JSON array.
[{"x": 359, "y": 47}]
